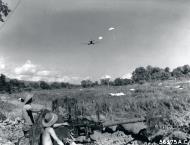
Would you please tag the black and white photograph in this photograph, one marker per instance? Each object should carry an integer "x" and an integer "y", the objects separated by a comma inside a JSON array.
[{"x": 94, "y": 72}]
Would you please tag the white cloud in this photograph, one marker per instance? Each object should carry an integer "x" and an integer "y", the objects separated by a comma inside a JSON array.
[
  {"x": 43, "y": 73},
  {"x": 2, "y": 63},
  {"x": 26, "y": 69},
  {"x": 106, "y": 77},
  {"x": 33, "y": 72},
  {"x": 127, "y": 76},
  {"x": 63, "y": 79},
  {"x": 60, "y": 79},
  {"x": 87, "y": 78},
  {"x": 23, "y": 77},
  {"x": 36, "y": 78},
  {"x": 75, "y": 78},
  {"x": 47, "y": 76}
]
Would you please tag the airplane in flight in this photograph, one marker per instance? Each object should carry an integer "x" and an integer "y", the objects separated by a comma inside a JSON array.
[{"x": 91, "y": 42}]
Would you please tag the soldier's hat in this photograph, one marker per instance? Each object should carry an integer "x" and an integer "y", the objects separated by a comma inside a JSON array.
[
  {"x": 49, "y": 119},
  {"x": 28, "y": 98}
]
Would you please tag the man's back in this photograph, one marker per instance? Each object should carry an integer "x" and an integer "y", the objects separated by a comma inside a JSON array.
[
  {"x": 47, "y": 136},
  {"x": 27, "y": 114}
]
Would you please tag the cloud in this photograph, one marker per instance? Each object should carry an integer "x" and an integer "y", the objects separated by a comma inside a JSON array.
[
  {"x": 106, "y": 77},
  {"x": 29, "y": 71},
  {"x": 26, "y": 69},
  {"x": 2, "y": 63},
  {"x": 32, "y": 72},
  {"x": 127, "y": 76},
  {"x": 43, "y": 73},
  {"x": 87, "y": 78}
]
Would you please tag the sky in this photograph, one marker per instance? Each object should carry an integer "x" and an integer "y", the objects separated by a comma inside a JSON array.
[{"x": 47, "y": 39}]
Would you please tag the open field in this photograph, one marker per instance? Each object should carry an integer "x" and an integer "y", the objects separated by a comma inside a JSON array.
[
  {"x": 169, "y": 100},
  {"x": 149, "y": 99}
]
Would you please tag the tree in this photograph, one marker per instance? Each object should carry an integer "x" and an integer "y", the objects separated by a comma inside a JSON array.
[
  {"x": 2, "y": 82},
  {"x": 4, "y": 10},
  {"x": 15, "y": 85},
  {"x": 44, "y": 85},
  {"x": 140, "y": 75},
  {"x": 156, "y": 73},
  {"x": 5, "y": 84},
  {"x": 104, "y": 81},
  {"x": 8, "y": 88},
  {"x": 121, "y": 82},
  {"x": 149, "y": 70},
  {"x": 63, "y": 85},
  {"x": 3, "y": 79},
  {"x": 34, "y": 85},
  {"x": 86, "y": 83},
  {"x": 186, "y": 69},
  {"x": 22, "y": 84},
  {"x": 178, "y": 72},
  {"x": 95, "y": 83},
  {"x": 127, "y": 81},
  {"x": 167, "y": 69},
  {"x": 56, "y": 85},
  {"x": 164, "y": 75},
  {"x": 118, "y": 82}
]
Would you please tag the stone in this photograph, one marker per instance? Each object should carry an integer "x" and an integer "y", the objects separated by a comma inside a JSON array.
[
  {"x": 134, "y": 128},
  {"x": 158, "y": 136},
  {"x": 113, "y": 128},
  {"x": 178, "y": 135},
  {"x": 5, "y": 142}
]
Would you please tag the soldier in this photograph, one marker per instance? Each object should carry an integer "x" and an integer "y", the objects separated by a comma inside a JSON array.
[
  {"x": 27, "y": 115},
  {"x": 49, "y": 135}
]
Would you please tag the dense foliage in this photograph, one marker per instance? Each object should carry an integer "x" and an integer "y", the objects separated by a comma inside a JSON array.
[
  {"x": 150, "y": 73},
  {"x": 4, "y": 11}
]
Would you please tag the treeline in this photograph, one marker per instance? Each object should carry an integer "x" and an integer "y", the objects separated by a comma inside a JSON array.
[
  {"x": 144, "y": 74},
  {"x": 139, "y": 75},
  {"x": 14, "y": 85}
]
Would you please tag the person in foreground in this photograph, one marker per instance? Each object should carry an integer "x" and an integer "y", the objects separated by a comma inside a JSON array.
[
  {"x": 27, "y": 114},
  {"x": 49, "y": 122}
]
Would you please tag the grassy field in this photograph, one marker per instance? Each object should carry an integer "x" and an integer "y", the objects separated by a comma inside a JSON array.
[{"x": 170, "y": 100}]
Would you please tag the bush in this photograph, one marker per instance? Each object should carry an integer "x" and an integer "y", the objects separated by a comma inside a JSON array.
[
  {"x": 44, "y": 85},
  {"x": 2, "y": 116}
]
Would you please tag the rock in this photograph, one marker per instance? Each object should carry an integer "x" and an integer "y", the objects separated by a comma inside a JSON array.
[
  {"x": 179, "y": 135},
  {"x": 5, "y": 142},
  {"x": 116, "y": 138},
  {"x": 24, "y": 141},
  {"x": 73, "y": 143},
  {"x": 113, "y": 128},
  {"x": 94, "y": 118},
  {"x": 82, "y": 139},
  {"x": 6, "y": 121},
  {"x": 95, "y": 135},
  {"x": 158, "y": 136},
  {"x": 134, "y": 128},
  {"x": 3, "y": 98},
  {"x": 2, "y": 117}
]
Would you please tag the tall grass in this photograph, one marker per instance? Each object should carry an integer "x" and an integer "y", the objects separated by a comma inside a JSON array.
[{"x": 148, "y": 100}]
